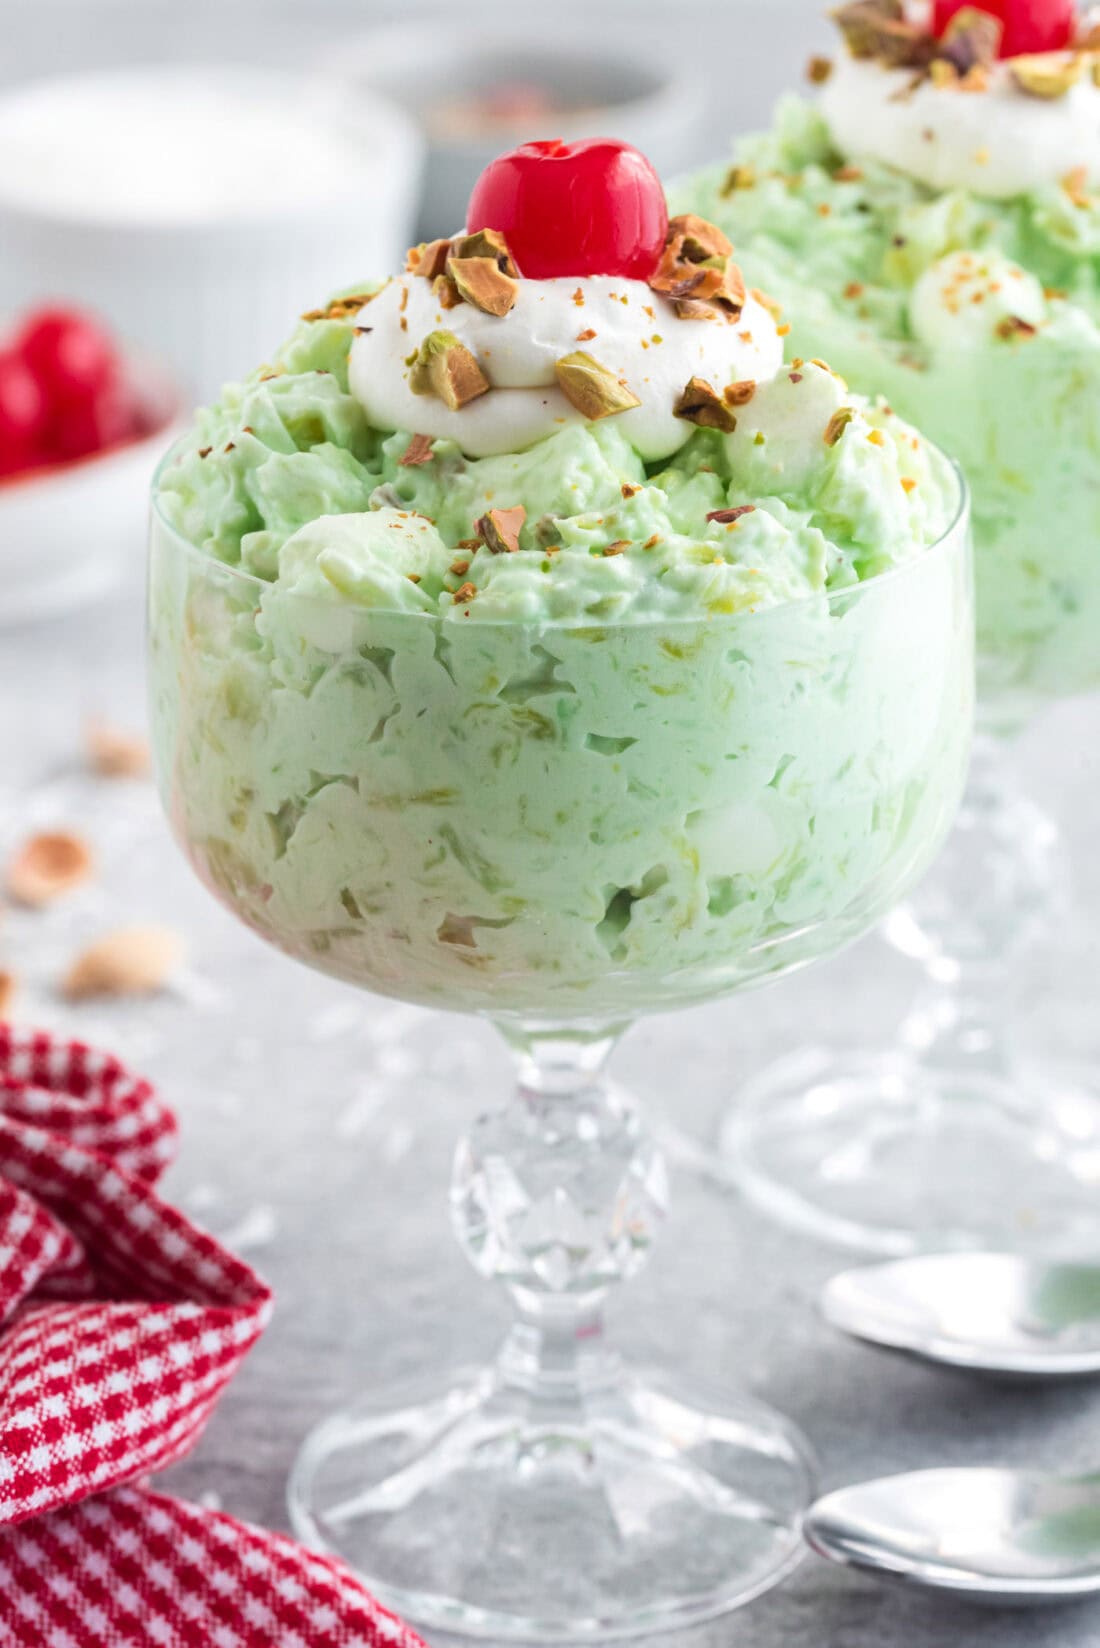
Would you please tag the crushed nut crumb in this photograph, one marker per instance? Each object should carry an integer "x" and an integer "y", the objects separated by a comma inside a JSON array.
[
  {"x": 499, "y": 529},
  {"x": 418, "y": 451},
  {"x": 837, "y": 424},
  {"x": 730, "y": 517}
]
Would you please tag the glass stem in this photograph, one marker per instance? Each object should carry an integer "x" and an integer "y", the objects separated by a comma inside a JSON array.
[
  {"x": 988, "y": 899},
  {"x": 558, "y": 1196}
]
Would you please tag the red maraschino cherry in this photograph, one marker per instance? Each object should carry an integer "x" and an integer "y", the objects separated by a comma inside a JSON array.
[
  {"x": 69, "y": 353},
  {"x": 23, "y": 414},
  {"x": 590, "y": 208},
  {"x": 1029, "y": 25}
]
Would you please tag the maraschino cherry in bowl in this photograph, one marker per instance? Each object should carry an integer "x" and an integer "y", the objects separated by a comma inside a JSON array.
[
  {"x": 82, "y": 423},
  {"x": 527, "y": 640}
]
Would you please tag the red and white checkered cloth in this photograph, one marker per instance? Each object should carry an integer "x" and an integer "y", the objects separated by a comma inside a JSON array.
[{"x": 120, "y": 1325}]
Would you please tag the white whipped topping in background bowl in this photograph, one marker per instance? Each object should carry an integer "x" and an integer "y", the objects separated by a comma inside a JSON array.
[
  {"x": 198, "y": 209},
  {"x": 997, "y": 143},
  {"x": 637, "y": 335}
]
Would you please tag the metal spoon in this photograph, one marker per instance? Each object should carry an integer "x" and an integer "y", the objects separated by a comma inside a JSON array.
[
  {"x": 991, "y": 1313},
  {"x": 1007, "y": 1537}
]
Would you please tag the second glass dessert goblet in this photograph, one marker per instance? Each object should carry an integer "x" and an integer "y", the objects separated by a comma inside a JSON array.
[
  {"x": 944, "y": 1135},
  {"x": 559, "y": 827}
]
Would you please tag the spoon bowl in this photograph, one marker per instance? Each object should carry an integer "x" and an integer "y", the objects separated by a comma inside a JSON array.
[
  {"x": 988, "y": 1313},
  {"x": 1016, "y": 1538}
]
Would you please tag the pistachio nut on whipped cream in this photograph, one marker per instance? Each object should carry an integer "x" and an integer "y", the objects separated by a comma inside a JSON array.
[
  {"x": 527, "y": 637},
  {"x": 931, "y": 224}
]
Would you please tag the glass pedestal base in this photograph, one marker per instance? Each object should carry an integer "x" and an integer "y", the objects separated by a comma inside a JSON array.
[
  {"x": 893, "y": 1156},
  {"x": 497, "y": 1511}
]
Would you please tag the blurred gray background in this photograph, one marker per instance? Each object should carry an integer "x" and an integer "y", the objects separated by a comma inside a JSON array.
[{"x": 739, "y": 53}]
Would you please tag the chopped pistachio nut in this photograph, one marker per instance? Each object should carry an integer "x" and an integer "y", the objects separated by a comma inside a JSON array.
[
  {"x": 618, "y": 547},
  {"x": 699, "y": 403},
  {"x": 594, "y": 390},
  {"x": 1076, "y": 186},
  {"x": 429, "y": 259},
  {"x": 837, "y": 424},
  {"x": 418, "y": 451},
  {"x": 878, "y": 29},
  {"x": 482, "y": 271},
  {"x": 971, "y": 40},
  {"x": 445, "y": 367},
  {"x": 694, "y": 309},
  {"x": 132, "y": 961},
  {"x": 881, "y": 31},
  {"x": 340, "y": 308},
  {"x": 727, "y": 517},
  {"x": 698, "y": 239},
  {"x": 697, "y": 270},
  {"x": 1013, "y": 327},
  {"x": 819, "y": 70},
  {"x": 48, "y": 865},
  {"x": 482, "y": 283},
  {"x": 775, "y": 310},
  {"x": 738, "y": 177},
  {"x": 1047, "y": 74},
  {"x": 975, "y": 79},
  {"x": 499, "y": 529},
  {"x": 446, "y": 293},
  {"x": 486, "y": 243},
  {"x": 740, "y": 394},
  {"x": 466, "y": 593}
]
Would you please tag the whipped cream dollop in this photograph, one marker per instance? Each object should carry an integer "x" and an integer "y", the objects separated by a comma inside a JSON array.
[
  {"x": 966, "y": 298},
  {"x": 623, "y": 324},
  {"x": 997, "y": 142}
]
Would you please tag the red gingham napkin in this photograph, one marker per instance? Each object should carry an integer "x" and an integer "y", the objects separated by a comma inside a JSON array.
[{"x": 120, "y": 1325}]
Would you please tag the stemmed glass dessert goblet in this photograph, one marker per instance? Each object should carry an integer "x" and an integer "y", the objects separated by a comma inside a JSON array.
[
  {"x": 559, "y": 827},
  {"x": 928, "y": 224}
]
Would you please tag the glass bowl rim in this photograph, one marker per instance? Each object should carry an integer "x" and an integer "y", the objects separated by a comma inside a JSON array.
[{"x": 954, "y": 534}]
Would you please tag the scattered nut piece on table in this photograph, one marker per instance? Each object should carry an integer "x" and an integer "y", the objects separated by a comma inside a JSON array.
[
  {"x": 113, "y": 753},
  {"x": 133, "y": 961},
  {"x": 47, "y": 866}
]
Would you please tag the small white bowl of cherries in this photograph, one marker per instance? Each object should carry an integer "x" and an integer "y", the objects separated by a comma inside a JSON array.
[{"x": 82, "y": 425}]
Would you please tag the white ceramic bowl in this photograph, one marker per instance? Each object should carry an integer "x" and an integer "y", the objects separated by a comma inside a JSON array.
[
  {"x": 197, "y": 245},
  {"x": 68, "y": 534},
  {"x": 606, "y": 86}
]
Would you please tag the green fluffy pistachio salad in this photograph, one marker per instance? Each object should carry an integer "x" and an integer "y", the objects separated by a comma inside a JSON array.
[
  {"x": 930, "y": 222},
  {"x": 542, "y": 644}
]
